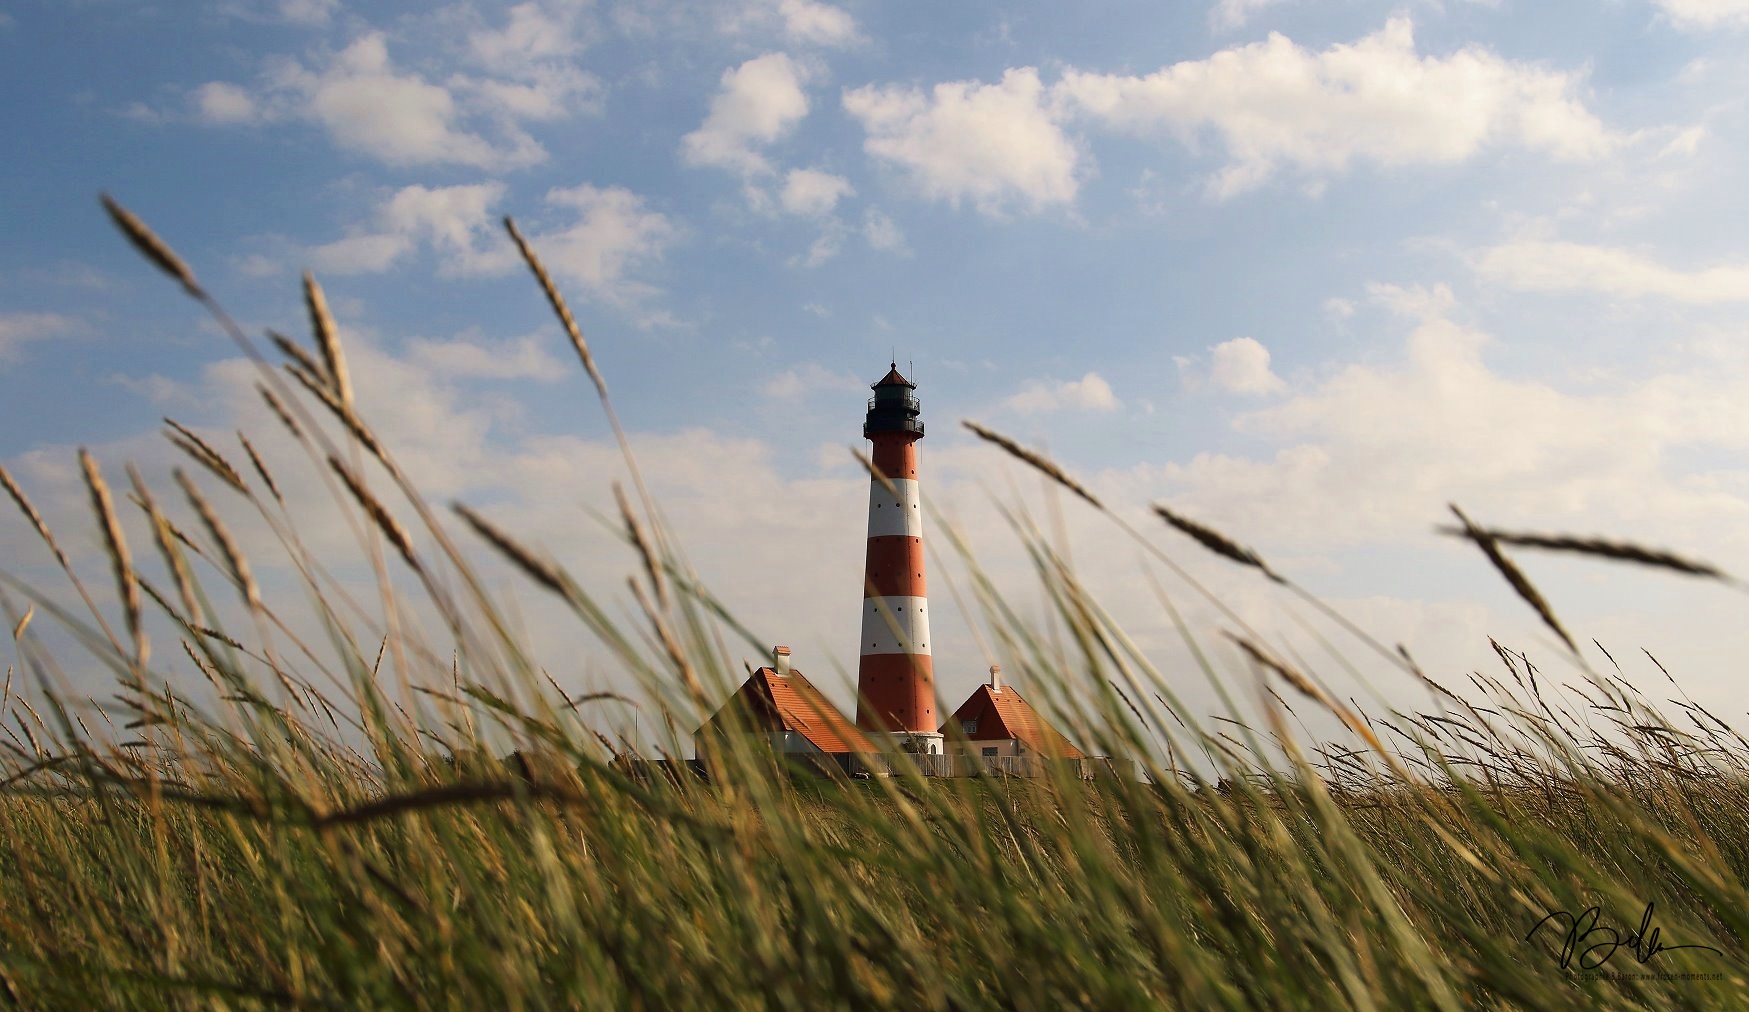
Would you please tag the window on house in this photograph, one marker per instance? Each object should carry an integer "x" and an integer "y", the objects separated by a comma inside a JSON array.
[
  {"x": 969, "y": 726},
  {"x": 989, "y": 753}
]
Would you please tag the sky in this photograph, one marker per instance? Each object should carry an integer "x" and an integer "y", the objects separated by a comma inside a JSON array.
[{"x": 1305, "y": 271}]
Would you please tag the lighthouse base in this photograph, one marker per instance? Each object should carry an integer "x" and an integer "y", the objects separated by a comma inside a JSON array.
[
  {"x": 919, "y": 750},
  {"x": 911, "y": 742}
]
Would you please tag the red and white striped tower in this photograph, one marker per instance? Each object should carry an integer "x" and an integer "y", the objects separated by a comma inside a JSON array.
[{"x": 895, "y": 681}]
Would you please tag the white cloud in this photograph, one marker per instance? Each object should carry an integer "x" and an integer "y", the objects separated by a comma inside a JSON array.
[
  {"x": 219, "y": 102},
  {"x": 1706, "y": 13},
  {"x": 522, "y": 70},
  {"x": 304, "y": 13},
  {"x": 401, "y": 119},
  {"x": 164, "y": 393},
  {"x": 826, "y": 246},
  {"x": 1685, "y": 142},
  {"x": 1089, "y": 393},
  {"x": 808, "y": 379},
  {"x": 531, "y": 33},
  {"x": 812, "y": 193},
  {"x": 67, "y": 274},
  {"x": 1241, "y": 366},
  {"x": 798, "y": 22},
  {"x": 882, "y": 232},
  {"x": 544, "y": 95},
  {"x": 364, "y": 253},
  {"x": 455, "y": 221},
  {"x": 613, "y": 236},
  {"x": 308, "y": 12},
  {"x": 1371, "y": 455},
  {"x": 18, "y": 329},
  {"x": 992, "y": 144},
  {"x": 1543, "y": 265},
  {"x": 471, "y": 356},
  {"x": 757, "y": 103},
  {"x": 808, "y": 21},
  {"x": 1416, "y": 302},
  {"x": 369, "y": 107},
  {"x": 1276, "y": 105},
  {"x": 258, "y": 265},
  {"x": 1231, "y": 15},
  {"x": 532, "y": 63},
  {"x": 600, "y": 237}
]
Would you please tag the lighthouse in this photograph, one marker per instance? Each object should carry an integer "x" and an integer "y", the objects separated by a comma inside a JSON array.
[{"x": 895, "y": 679}]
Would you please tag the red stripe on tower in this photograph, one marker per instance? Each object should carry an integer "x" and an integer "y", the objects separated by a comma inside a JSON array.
[{"x": 895, "y": 680}]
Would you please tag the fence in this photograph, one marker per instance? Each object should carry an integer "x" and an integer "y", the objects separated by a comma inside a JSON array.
[{"x": 954, "y": 765}]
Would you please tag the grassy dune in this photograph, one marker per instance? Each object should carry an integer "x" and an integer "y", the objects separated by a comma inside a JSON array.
[{"x": 329, "y": 827}]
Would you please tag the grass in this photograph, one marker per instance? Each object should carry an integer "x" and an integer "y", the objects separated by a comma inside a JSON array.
[{"x": 328, "y": 825}]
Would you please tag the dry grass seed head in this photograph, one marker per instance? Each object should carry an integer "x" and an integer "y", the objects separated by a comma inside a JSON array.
[
  {"x": 227, "y": 545},
  {"x": 120, "y": 560},
  {"x": 152, "y": 247},
  {"x": 541, "y": 571},
  {"x": 1038, "y": 461},
  {"x": 260, "y": 468},
  {"x": 652, "y": 565},
  {"x": 1306, "y": 687},
  {"x": 201, "y": 665},
  {"x": 294, "y": 351},
  {"x": 563, "y": 311},
  {"x": 279, "y": 410},
  {"x": 30, "y": 513},
  {"x": 1216, "y": 542},
  {"x": 202, "y": 451},
  {"x": 1288, "y": 674},
  {"x": 345, "y": 414},
  {"x": 327, "y": 339},
  {"x": 1622, "y": 551},
  {"x": 165, "y": 535},
  {"x": 670, "y": 645},
  {"x": 390, "y": 527},
  {"x": 1514, "y": 576}
]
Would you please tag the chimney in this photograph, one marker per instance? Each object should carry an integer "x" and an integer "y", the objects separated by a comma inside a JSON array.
[
  {"x": 995, "y": 678},
  {"x": 780, "y": 661}
]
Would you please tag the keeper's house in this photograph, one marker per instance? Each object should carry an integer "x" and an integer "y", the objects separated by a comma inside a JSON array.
[
  {"x": 999, "y": 725},
  {"x": 790, "y": 716}
]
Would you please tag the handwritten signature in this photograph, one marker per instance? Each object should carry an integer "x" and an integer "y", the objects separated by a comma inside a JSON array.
[{"x": 1594, "y": 943}]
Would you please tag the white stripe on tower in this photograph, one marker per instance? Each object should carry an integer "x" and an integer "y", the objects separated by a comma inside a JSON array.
[
  {"x": 895, "y": 625},
  {"x": 891, "y": 515}
]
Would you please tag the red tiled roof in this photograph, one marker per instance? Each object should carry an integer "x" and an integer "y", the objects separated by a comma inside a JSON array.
[
  {"x": 1005, "y": 714},
  {"x": 893, "y": 379},
  {"x": 804, "y": 710},
  {"x": 792, "y": 703}
]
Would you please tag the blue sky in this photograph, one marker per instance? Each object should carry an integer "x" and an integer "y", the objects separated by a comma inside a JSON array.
[{"x": 1305, "y": 270}]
